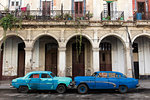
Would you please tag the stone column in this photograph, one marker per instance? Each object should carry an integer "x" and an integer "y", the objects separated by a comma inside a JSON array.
[
  {"x": 28, "y": 60},
  {"x": 95, "y": 59},
  {"x": 61, "y": 61},
  {"x": 129, "y": 60}
]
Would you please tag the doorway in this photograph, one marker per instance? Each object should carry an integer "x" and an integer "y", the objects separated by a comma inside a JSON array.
[
  {"x": 136, "y": 60},
  {"x": 78, "y": 60},
  {"x": 78, "y": 9},
  {"x": 51, "y": 57},
  {"x": 46, "y": 8},
  {"x": 21, "y": 60},
  {"x": 1, "y": 62},
  {"x": 105, "y": 57}
]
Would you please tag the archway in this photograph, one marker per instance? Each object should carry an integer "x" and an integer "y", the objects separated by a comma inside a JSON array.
[
  {"x": 78, "y": 56},
  {"x": 141, "y": 54},
  {"x": 13, "y": 57},
  {"x": 45, "y": 54},
  {"x": 112, "y": 54}
]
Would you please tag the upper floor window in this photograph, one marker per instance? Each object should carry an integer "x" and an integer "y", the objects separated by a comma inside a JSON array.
[
  {"x": 12, "y": 3},
  {"x": 17, "y": 3}
]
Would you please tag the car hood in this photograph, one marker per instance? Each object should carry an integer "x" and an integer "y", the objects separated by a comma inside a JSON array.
[
  {"x": 16, "y": 79},
  {"x": 63, "y": 78}
]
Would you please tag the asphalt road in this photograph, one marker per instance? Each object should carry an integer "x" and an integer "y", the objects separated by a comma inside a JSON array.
[{"x": 73, "y": 95}]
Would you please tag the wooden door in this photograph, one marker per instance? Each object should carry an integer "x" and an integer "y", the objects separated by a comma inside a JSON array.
[
  {"x": 21, "y": 60},
  {"x": 78, "y": 66},
  {"x": 105, "y": 57},
  {"x": 1, "y": 64},
  {"x": 46, "y": 7},
  {"x": 78, "y": 6},
  {"x": 50, "y": 58}
]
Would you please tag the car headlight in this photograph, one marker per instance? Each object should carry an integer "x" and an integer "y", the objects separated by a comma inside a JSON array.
[{"x": 72, "y": 83}]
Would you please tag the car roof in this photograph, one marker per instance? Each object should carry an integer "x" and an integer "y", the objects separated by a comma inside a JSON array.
[
  {"x": 109, "y": 72},
  {"x": 40, "y": 72}
]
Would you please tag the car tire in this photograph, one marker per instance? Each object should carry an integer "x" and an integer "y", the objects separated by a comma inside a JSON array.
[
  {"x": 82, "y": 89},
  {"x": 61, "y": 89},
  {"x": 123, "y": 89},
  {"x": 23, "y": 89}
]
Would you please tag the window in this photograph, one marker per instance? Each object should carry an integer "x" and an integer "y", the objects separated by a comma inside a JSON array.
[
  {"x": 53, "y": 75},
  {"x": 103, "y": 75},
  {"x": 34, "y": 76},
  {"x": 12, "y": 3},
  {"x": 112, "y": 75},
  {"x": 17, "y": 3},
  {"x": 94, "y": 74},
  {"x": 45, "y": 76}
]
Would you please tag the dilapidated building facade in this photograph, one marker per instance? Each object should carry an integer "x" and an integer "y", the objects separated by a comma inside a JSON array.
[{"x": 78, "y": 46}]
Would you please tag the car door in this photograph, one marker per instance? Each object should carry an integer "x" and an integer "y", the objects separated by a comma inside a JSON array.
[
  {"x": 34, "y": 81},
  {"x": 113, "y": 80},
  {"x": 46, "y": 82},
  {"x": 101, "y": 81}
]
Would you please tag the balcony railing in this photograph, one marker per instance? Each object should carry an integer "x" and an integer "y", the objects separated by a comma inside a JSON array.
[
  {"x": 113, "y": 15},
  {"x": 142, "y": 16},
  {"x": 49, "y": 15}
]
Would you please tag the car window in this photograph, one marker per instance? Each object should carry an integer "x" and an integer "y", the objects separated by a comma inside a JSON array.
[
  {"x": 112, "y": 75},
  {"x": 53, "y": 75},
  {"x": 103, "y": 75},
  {"x": 94, "y": 74},
  {"x": 118, "y": 75},
  {"x": 45, "y": 76},
  {"x": 34, "y": 76}
]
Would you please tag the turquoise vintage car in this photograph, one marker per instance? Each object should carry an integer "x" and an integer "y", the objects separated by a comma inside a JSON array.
[
  {"x": 41, "y": 80},
  {"x": 105, "y": 80}
]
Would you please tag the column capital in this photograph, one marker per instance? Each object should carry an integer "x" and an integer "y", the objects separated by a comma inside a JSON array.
[
  {"x": 62, "y": 49},
  {"x": 95, "y": 49},
  {"x": 28, "y": 49}
]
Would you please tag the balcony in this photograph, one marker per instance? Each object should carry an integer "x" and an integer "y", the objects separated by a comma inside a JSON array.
[
  {"x": 50, "y": 15},
  {"x": 112, "y": 16},
  {"x": 141, "y": 16}
]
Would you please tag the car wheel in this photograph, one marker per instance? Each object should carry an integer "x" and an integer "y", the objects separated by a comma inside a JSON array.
[
  {"x": 123, "y": 89},
  {"x": 61, "y": 89},
  {"x": 23, "y": 89},
  {"x": 82, "y": 89}
]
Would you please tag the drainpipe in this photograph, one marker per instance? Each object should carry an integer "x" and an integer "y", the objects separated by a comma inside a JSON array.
[
  {"x": 8, "y": 4},
  {"x": 146, "y": 2},
  {"x": 84, "y": 9},
  {"x": 135, "y": 9},
  {"x": 131, "y": 52}
]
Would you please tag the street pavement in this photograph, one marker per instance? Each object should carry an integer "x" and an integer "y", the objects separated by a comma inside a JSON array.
[{"x": 141, "y": 93}]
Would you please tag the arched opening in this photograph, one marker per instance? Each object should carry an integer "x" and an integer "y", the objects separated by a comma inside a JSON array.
[
  {"x": 112, "y": 54},
  {"x": 45, "y": 54},
  {"x": 141, "y": 54},
  {"x": 78, "y": 57},
  {"x": 12, "y": 58}
]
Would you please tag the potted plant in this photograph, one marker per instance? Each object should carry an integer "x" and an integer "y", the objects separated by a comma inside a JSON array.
[{"x": 67, "y": 16}]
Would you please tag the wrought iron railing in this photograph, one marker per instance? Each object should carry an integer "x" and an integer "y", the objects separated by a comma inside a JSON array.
[
  {"x": 113, "y": 15},
  {"x": 48, "y": 15},
  {"x": 141, "y": 16}
]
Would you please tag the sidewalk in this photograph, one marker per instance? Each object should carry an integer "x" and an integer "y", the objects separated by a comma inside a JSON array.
[{"x": 144, "y": 84}]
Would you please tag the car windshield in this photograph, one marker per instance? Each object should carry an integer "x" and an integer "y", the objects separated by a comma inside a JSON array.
[
  {"x": 53, "y": 75},
  {"x": 124, "y": 76},
  {"x": 94, "y": 74}
]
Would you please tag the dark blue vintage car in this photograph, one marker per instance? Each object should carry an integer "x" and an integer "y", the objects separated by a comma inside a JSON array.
[{"x": 105, "y": 80}]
